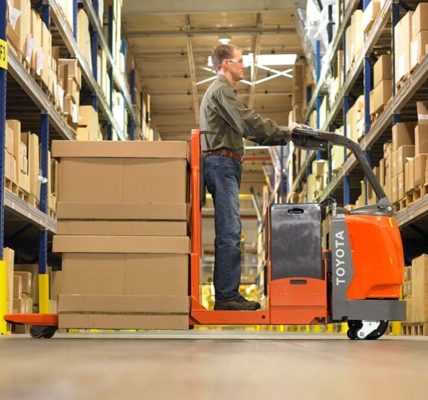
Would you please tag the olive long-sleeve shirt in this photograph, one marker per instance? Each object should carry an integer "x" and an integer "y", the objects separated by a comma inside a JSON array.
[{"x": 225, "y": 121}]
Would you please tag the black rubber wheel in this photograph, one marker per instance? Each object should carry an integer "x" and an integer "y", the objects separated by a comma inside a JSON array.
[
  {"x": 383, "y": 326},
  {"x": 353, "y": 327},
  {"x": 45, "y": 332}
]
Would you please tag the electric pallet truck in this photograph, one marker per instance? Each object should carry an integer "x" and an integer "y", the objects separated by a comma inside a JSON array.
[{"x": 357, "y": 279}]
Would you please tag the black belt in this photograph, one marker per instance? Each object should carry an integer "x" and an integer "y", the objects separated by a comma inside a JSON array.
[{"x": 224, "y": 152}]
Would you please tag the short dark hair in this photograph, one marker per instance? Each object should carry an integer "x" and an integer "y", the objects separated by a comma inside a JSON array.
[{"x": 220, "y": 53}]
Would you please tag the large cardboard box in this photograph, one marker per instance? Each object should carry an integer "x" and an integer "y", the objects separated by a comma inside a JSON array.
[
  {"x": 17, "y": 286},
  {"x": 370, "y": 14},
  {"x": 36, "y": 34},
  {"x": 401, "y": 156},
  {"x": 422, "y": 110},
  {"x": 420, "y": 19},
  {"x": 394, "y": 189},
  {"x": 380, "y": 96},
  {"x": 382, "y": 70},
  {"x": 88, "y": 118},
  {"x": 32, "y": 142},
  {"x": 26, "y": 280},
  {"x": 33, "y": 270},
  {"x": 400, "y": 183},
  {"x": 68, "y": 69},
  {"x": 141, "y": 304},
  {"x": 83, "y": 36},
  {"x": 121, "y": 244},
  {"x": 409, "y": 175},
  {"x": 357, "y": 38},
  {"x": 420, "y": 166},
  {"x": 122, "y": 321},
  {"x": 11, "y": 126},
  {"x": 110, "y": 180},
  {"x": 125, "y": 274},
  {"x": 418, "y": 48},
  {"x": 421, "y": 139},
  {"x": 403, "y": 33},
  {"x": 122, "y": 228},
  {"x": 19, "y": 25},
  {"x": 403, "y": 133},
  {"x": 420, "y": 288}
]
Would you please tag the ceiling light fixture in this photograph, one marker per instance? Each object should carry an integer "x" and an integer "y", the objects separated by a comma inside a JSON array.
[
  {"x": 224, "y": 39},
  {"x": 276, "y": 59}
]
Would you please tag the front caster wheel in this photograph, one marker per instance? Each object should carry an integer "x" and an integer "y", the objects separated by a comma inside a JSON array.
[{"x": 45, "y": 332}]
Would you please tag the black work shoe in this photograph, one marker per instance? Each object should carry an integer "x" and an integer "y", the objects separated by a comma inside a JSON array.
[{"x": 241, "y": 304}]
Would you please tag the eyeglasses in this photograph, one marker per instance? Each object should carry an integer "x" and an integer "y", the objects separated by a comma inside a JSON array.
[{"x": 240, "y": 61}]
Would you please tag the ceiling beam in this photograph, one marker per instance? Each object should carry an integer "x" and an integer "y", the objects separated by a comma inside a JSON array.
[
  {"x": 257, "y": 48},
  {"x": 191, "y": 6},
  {"x": 180, "y": 54},
  {"x": 210, "y": 32},
  {"x": 240, "y": 93},
  {"x": 191, "y": 61}
]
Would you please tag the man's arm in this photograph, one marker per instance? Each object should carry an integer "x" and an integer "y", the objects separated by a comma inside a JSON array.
[{"x": 254, "y": 126}]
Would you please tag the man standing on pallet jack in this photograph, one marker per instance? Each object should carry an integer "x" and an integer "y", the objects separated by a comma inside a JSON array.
[{"x": 224, "y": 123}]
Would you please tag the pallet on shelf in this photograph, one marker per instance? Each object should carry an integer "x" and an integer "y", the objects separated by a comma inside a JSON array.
[
  {"x": 416, "y": 194},
  {"x": 11, "y": 186},
  {"x": 414, "y": 328}
]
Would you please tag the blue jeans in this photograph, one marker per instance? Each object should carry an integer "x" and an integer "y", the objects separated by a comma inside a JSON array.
[{"x": 223, "y": 178}]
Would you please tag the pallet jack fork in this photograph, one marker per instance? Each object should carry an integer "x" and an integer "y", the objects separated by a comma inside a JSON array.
[{"x": 356, "y": 279}]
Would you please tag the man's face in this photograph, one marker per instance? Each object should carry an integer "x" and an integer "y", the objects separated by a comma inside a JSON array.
[{"x": 236, "y": 65}]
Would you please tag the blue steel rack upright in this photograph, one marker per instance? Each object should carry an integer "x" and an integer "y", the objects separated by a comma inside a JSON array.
[{"x": 3, "y": 83}]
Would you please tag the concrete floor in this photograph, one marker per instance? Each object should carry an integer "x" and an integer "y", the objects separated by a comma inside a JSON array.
[{"x": 212, "y": 365}]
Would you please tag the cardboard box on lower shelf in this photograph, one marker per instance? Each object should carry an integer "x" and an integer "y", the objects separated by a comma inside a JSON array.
[
  {"x": 9, "y": 257},
  {"x": 26, "y": 281},
  {"x": 420, "y": 289}
]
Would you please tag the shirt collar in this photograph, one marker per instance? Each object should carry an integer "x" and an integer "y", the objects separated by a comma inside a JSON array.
[{"x": 222, "y": 78}]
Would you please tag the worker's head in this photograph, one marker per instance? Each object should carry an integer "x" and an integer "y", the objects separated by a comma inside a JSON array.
[{"x": 227, "y": 60}]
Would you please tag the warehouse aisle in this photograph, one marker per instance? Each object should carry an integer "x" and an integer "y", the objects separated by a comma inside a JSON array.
[{"x": 142, "y": 367}]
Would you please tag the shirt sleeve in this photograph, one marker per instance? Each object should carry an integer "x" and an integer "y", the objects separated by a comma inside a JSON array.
[{"x": 252, "y": 125}]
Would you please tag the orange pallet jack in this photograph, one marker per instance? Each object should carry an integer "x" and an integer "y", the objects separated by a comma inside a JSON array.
[{"x": 357, "y": 279}]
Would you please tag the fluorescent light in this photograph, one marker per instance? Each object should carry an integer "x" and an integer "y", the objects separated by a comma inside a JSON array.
[
  {"x": 224, "y": 40},
  {"x": 276, "y": 59}
]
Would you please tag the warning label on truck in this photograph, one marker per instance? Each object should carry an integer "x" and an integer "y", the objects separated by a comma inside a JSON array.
[{"x": 3, "y": 54}]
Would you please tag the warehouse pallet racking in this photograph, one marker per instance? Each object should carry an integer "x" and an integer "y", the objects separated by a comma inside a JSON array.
[
  {"x": 31, "y": 225},
  {"x": 345, "y": 184}
]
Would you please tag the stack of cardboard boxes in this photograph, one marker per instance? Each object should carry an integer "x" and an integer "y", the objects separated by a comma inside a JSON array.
[
  {"x": 370, "y": 14},
  {"x": 70, "y": 79},
  {"x": 416, "y": 292},
  {"x": 355, "y": 120},
  {"x": 419, "y": 35},
  {"x": 317, "y": 180},
  {"x": 89, "y": 126},
  {"x": 354, "y": 38},
  {"x": 122, "y": 231},
  {"x": 22, "y": 164},
  {"x": 382, "y": 84},
  {"x": 22, "y": 287},
  {"x": 413, "y": 29}
]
